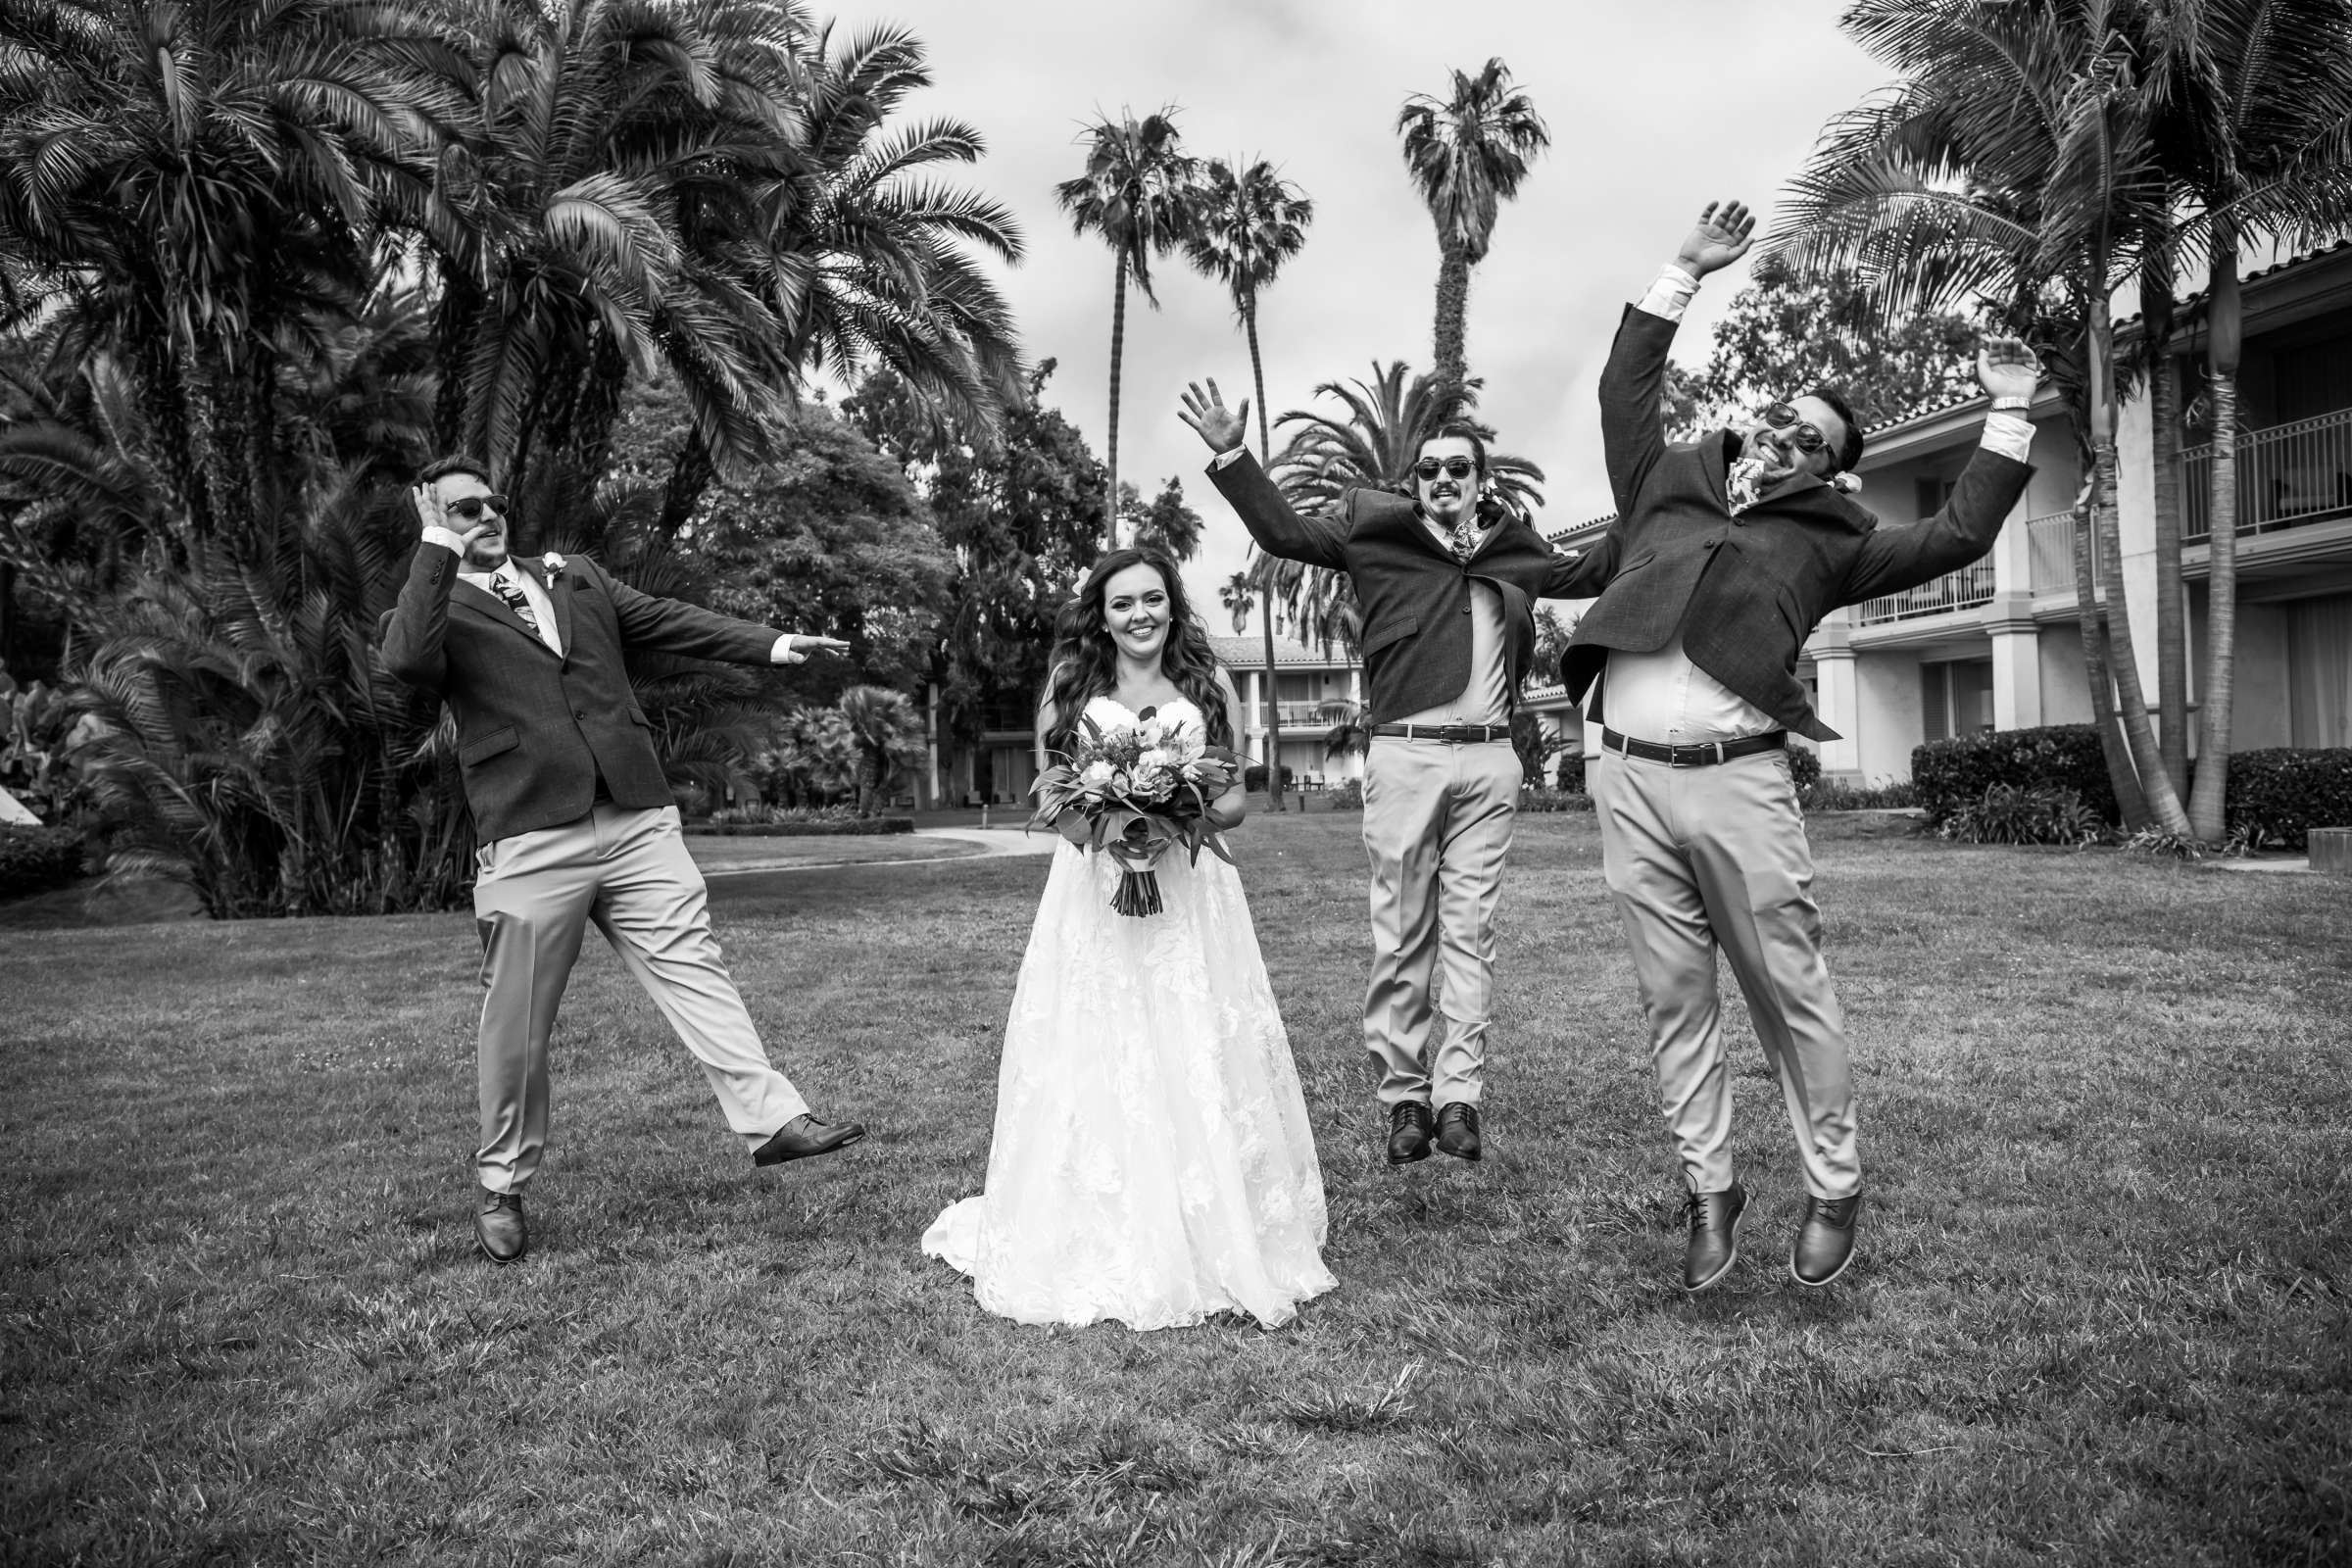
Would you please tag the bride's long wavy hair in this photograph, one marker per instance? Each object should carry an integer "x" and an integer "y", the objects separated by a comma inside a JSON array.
[{"x": 1086, "y": 662}]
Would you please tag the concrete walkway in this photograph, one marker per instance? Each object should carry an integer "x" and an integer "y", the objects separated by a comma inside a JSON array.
[{"x": 976, "y": 844}]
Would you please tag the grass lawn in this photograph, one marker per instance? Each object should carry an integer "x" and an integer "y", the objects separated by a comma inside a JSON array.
[
  {"x": 718, "y": 854},
  {"x": 2101, "y": 1315}
]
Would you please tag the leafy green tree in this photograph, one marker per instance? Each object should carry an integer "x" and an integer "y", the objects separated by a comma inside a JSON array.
[
  {"x": 1137, "y": 194},
  {"x": 1787, "y": 330},
  {"x": 1023, "y": 518},
  {"x": 1467, "y": 152}
]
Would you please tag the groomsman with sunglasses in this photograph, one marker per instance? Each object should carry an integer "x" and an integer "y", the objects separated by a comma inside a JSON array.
[
  {"x": 1447, "y": 581},
  {"x": 574, "y": 822},
  {"x": 1724, "y": 555}
]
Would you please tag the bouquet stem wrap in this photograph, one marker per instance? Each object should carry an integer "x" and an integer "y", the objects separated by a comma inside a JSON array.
[{"x": 1139, "y": 884}]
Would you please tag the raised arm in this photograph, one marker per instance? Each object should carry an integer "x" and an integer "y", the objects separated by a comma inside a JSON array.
[
  {"x": 415, "y": 629},
  {"x": 1278, "y": 530},
  {"x": 1633, "y": 431},
  {"x": 1892, "y": 560}
]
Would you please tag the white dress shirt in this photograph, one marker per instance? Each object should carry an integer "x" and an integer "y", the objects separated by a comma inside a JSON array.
[
  {"x": 543, "y": 608},
  {"x": 1662, "y": 696}
]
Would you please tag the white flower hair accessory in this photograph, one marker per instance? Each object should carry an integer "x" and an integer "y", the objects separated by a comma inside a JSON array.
[{"x": 553, "y": 564}]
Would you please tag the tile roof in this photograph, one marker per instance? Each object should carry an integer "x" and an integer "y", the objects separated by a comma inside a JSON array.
[{"x": 1248, "y": 652}]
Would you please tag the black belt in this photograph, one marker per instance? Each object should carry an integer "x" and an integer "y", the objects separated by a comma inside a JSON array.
[
  {"x": 1705, "y": 756},
  {"x": 1451, "y": 734}
]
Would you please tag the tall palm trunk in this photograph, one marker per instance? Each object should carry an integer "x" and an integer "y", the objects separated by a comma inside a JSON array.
[
  {"x": 1265, "y": 590},
  {"x": 2129, "y": 802},
  {"x": 1453, "y": 311},
  {"x": 2164, "y": 802},
  {"x": 2208, "y": 805},
  {"x": 2172, "y": 614},
  {"x": 1119, "y": 343}
]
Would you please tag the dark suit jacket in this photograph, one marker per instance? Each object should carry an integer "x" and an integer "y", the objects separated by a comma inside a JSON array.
[
  {"x": 1746, "y": 591},
  {"x": 534, "y": 731},
  {"x": 1415, "y": 596}
]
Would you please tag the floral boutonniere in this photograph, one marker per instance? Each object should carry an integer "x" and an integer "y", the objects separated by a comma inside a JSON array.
[{"x": 553, "y": 564}]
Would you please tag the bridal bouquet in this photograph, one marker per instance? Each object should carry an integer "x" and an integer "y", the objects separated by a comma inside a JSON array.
[{"x": 1130, "y": 791}]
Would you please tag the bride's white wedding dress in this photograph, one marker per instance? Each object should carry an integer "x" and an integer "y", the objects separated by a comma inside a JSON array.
[{"x": 1151, "y": 1161}]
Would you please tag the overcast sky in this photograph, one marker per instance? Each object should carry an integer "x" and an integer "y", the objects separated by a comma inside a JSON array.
[{"x": 1654, "y": 107}]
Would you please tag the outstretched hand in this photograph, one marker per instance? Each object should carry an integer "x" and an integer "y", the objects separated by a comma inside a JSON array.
[
  {"x": 1720, "y": 237},
  {"x": 1221, "y": 427},
  {"x": 2008, "y": 368}
]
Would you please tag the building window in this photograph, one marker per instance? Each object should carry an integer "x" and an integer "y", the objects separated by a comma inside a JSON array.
[
  {"x": 1955, "y": 699},
  {"x": 2319, "y": 671},
  {"x": 1928, "y": 495}
]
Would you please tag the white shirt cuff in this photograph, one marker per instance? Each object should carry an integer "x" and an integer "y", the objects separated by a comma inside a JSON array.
[
  {"x": 2009, "y": 434},
  {"x": 782, "y": 652},
  {"x": 1671, "y": 294},
  {"x": 1226, "y": 459},
  {"x": 448, "y": 539}
]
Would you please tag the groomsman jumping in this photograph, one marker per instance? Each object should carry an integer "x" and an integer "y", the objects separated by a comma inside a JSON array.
[
  {"x": 1724, "y": 555},
  {"x": 1446, "y": 581}
]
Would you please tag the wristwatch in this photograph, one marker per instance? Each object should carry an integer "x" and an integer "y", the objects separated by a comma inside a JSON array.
[{"x": 2011, "y": 405}]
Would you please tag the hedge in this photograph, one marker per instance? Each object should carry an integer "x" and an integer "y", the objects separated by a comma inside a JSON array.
[
  {"x": 1952, "y": 774},
  {"x": 2278, "y": 795},
  {"x": 805, "y": 829},
  {"x": 35, "y": 858}
]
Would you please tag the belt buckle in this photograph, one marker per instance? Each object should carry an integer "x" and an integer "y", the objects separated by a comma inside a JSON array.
[{"x": 1454, "y": 734}]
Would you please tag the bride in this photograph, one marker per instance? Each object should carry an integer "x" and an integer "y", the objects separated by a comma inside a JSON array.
[{"x": 1151, "y": 1161}]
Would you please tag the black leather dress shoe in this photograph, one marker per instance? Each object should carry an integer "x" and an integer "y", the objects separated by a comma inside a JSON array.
[
  {"x": 1714, "y": 1236},
  {"x": 1825, "y": 1242},
  {"x": 1458, "y": 1130},
  {"x": 805, "y": 1136},
  {"x": 498, "y": 1227},
  {"x": 1408, "y": 1131}
]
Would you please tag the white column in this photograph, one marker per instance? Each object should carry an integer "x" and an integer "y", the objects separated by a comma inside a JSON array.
[
  {"x": 1840, "y": 705},
  {"x": 931, "y": 739},
  {"x": 2016, "y": 669},
  {"x": 1259, "y": 680}
]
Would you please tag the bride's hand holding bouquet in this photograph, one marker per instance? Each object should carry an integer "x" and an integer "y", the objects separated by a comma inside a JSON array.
[{"x": 1132, "y": 790}]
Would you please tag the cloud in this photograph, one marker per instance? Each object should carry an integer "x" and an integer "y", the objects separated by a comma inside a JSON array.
[{"x": 1654, "y": 108}]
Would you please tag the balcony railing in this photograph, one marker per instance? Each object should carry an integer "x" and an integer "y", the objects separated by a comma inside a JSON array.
[
  {"x": 1970, "y": 586},
  {"x": 2050, "y": 542},
  {"x": 1299, "y": 715},
  {"x": 2287, "y": 475}
]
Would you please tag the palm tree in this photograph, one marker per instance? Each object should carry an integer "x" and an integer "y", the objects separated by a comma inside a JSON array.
[
  {"x": 1467, "y": 152},
  {"x": 2013, "y": 163},
  {"x": 197, "y": 186},
  {"x": 2253, "y": 120},
  {"x": 1248, "y": 225},
  {"x": 1137, "y": 194},
  {"x": 887, "y": 731}
]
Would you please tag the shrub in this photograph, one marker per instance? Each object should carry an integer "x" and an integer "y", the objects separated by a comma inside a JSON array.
[
  {"x": 1805, "y": 766},
  {"x": 2005, "y": 813},
  {"x": 761, "y": 812},
  {"x": 1347, "y": 796},
  {"x": 1253, "y": 779},
  {"x": 1571, "y": 775},
  {"x": 1952, "y": 774},
  {"x": 1540, "y": 800},
  {"x": 33, "y": 859},
  {"x": 1831, "y": 795},
  {"x": 806, "y": 827},
  {"x": 2278, "y": 795}
]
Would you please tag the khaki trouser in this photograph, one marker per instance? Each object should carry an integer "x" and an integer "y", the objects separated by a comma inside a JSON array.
[
  {"x": 1698, "y": 856},
  {"x": 626, "y": 870},
  {"x": 1437, "y": 827}
]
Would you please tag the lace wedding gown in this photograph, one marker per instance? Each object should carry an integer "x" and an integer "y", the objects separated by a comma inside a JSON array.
[{"x": 1151, "y": 1161}]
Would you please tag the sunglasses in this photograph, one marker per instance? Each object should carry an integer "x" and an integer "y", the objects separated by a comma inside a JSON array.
[
  {"x": 1806, "y": 437},
  {"x": 1428, "y": 468},
  {"x": 473, "y": 507}
]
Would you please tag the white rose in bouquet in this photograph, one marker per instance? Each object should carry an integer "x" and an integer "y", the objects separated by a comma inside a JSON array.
[
  {"x": 1154, "y": 781},
  {"x": 1097, "y": 777}
]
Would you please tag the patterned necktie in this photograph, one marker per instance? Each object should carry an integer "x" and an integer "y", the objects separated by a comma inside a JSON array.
[
  {"x": 1742, "y": 482},
  {"x": 1467, "y": 534},
  {"x": 512, "y": 592}
]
